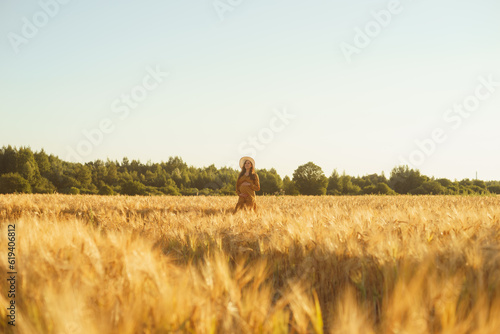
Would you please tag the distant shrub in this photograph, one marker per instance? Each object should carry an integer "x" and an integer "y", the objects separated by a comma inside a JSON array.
[
  {"x": 445, "y": 183},
  {"x": 478, "y": 190},
  {"x": 106, "y": 190},
  {"x": 205, "y": 191},
  {"x": 134, "y": 188},
  {"x": 226, "y": 192},
  {"x": 44, "y": 186},
  {"x": 369, "y": 190},
  {"x": 384, "y": 189},
  {"x": 334, "y": 192},
  {"x": 495, "y": 189},
  {"x": 73, "y": 191},
  {"x": 14, "y": 183},
  {"x": 430, "y": 188},
  {"x": 189, "y": 191},
  {"x": 170, "y": 190},
  {"x": 380, "y": 189}
]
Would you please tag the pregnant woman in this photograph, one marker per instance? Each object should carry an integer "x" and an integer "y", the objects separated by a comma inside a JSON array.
[{"x": 247, "y": 185}]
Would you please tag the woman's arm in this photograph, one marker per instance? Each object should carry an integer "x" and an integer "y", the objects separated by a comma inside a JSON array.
[
  {"x": 237, "y": 187},
  {"x": 256, "y": 183}
]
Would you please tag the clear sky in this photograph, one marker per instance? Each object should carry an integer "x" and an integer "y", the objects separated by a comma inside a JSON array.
[{"x": 351, "y": 85}]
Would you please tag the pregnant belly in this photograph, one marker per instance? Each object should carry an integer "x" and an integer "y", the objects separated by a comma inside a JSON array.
[{"x": 246, "y": 189}]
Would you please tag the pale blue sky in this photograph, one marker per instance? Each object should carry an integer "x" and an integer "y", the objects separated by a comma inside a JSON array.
[{"x": 226, "y": 78}]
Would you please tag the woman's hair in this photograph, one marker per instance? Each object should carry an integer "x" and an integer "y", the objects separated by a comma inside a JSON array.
[{"x": 244, "y": 170}]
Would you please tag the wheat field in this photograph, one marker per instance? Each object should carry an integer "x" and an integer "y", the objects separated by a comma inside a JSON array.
[{"x": 368, "y": 264}]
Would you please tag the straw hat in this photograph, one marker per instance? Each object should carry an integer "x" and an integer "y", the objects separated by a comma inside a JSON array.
[{"x": 242, "y": 161}]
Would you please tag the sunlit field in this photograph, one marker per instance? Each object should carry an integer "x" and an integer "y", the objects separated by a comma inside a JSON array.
[{"x": 367, "y": 264}]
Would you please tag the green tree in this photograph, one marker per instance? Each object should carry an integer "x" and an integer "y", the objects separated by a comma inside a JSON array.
[
  {"x": 478, "y": 190},
  {"x": 106, "y": 190},
  {"x": 42, "y": 160},
  {"x": 73, "y": 191},
  {"x": 445, "y": 183},
  {"x": 369, "y": 190},
  {"x": 44, "y": 186},
  {"x": 481, "y": 184},
  {"x": 334, "y": 185},
  {"x": 83, "y": 175},
  {"x": 14, "y": 183},
  {"x": 430, "y": 188},
  {"x": 494, "y": 189},
  {"x": 361, "y": 182},
  {"x": 465, "y": 183},
  {"x": 383, "y": 189},
  {"x": 189, "y": 192},
  {"x": 201, "y": 179},
  {"x": 58, "y": 173},
  {"x": 348, "y": 188},
  {"x": 27, "y": 166},
  {"x": 173, "y": 163},
  {"x": 289, "y": 187},
  {"x": 376, "y": 179},
  {"x": 111, "y": 175},
  {"x": 170, "y": 188},
  {"x": 160, "y": 177},
  {"x": 134, "y": 188},
  {"x": 182, "y": 180},
  {"x": 125, "y": 165},
  {"x": 98, "y": 171},
  {"x": 8, "y": 160},
  {"x": 403, "y": 179},
  {"x": 270, "y": 181},
  {"x": 310, "y": 179}
]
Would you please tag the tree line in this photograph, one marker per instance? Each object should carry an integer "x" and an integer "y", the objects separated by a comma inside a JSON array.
[{"x": 25, "y": 171}]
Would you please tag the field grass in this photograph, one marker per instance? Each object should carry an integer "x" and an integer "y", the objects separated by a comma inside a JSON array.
[{"x": 370, "y": 264}]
